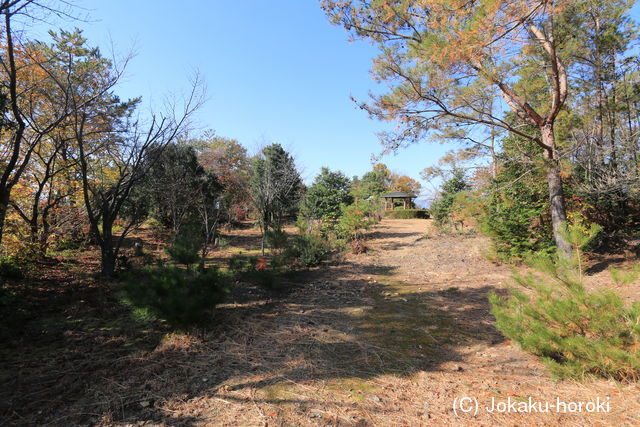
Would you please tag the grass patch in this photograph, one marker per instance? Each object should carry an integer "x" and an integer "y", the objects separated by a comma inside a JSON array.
[
  {"x": 278, "y": 391},
  {"x": 357, "y": 388},
  {"x": 405, "y": 327}
]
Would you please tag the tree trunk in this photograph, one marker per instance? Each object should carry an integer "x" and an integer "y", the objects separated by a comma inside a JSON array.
[
  {"x": 107, "y": 251},
  {"x": 44, "y": 237},
  {"x": 556, "y": 193},
  {"x": 34, "y": 236},
  {"x": 4, "y": 207},
  {"x": 108, "y": 260},
  {"x": 613, "y": 128}
]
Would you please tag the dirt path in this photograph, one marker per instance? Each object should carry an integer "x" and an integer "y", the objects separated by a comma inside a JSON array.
[{"x": 392, "y": 337}]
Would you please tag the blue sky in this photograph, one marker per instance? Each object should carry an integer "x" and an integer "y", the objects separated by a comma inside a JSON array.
[{"x": 275, "y": 70}]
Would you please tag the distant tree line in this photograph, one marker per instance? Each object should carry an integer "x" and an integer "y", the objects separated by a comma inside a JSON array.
[{"x": 543, "y": 97}]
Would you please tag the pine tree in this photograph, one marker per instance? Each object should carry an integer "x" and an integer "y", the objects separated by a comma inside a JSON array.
[{"x": 576, "y": 332}]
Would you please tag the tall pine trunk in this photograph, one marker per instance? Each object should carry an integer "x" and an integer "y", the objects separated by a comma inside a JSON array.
[{"x": 556, "y": 193}]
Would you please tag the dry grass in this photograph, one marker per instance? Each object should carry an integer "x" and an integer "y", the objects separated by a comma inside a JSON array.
[{"x": 387, "y": 338}]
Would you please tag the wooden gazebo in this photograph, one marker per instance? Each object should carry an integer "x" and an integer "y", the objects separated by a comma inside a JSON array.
[{"x": 397, "y": 195}]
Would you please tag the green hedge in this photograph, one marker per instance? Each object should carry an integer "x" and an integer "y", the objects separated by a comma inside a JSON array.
[{"x": 407, "y": 214}]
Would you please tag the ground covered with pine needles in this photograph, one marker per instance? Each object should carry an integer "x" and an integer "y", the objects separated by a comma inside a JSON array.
[{"x": 390, "y": 337}]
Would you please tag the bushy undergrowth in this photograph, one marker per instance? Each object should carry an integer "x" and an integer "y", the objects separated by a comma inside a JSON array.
[
  {"x": 302, "y": 251},
  {"x": 242, "y": 263},
  {"x": 182, "y": 297},
  {"x": 277, "y": 239},
  {"x": 516, "y": 220},
  {"x": 355, "y": 221},
  {"x": 516, "y": 212},
  {"x": 625, "y": 277},
  {"x": 575, "y": 331},
  {"x": 10, "y": 268},
  {"x": 257, "y": 270},
  {"x": 309, "y": 250},
  {"x": 407, "y": 214},
  {"x": 185, "y": 249},
  {"x": 69, "y": 244},
  {"x": 318, "y": 241},
  {"x": 442, "y": 207}
]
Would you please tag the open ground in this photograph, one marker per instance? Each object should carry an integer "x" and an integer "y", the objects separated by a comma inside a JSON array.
[{"x": 390, "y": 337}]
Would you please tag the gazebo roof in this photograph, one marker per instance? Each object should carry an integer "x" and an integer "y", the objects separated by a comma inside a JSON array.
[{"x": 398, "y": 195}]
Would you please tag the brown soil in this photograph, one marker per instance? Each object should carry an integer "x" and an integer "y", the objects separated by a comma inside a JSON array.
[{"x": 391, "y": 337}]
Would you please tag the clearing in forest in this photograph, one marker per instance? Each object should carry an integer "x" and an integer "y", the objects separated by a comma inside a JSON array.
[{"x": 391, "y": 337}]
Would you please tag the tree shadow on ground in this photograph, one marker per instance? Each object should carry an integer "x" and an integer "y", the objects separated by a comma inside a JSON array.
[
  {"x": 339, "y": 323},
  {"x": 68, "y": 334},
  {"x": 359, "y": 329},
  {"x": 604, "y": 263},
  {"x": 336, "y": 330},
  {"x": 245, "y": 242},
  {"x": 383, "y": 234}
]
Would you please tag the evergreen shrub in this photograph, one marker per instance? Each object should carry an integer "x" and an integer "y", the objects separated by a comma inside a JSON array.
[
  {"x": 309, "y": 250},
  {"x": 182, "y": 297},
  {"x": 576, "y": 332}
]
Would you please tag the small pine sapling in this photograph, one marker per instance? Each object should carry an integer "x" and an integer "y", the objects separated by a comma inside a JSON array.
[{"x": 576, "y": 332}]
